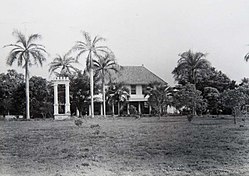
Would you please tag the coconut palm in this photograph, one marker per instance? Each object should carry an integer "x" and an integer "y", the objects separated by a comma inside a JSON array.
[
  {"x": 189, "y": 67},
  {"x": 64, "y": 64},
  {"x": 92, "y": 50},
  {"x": 26, "y": 52},
  {"x": 103, "y": 66}
]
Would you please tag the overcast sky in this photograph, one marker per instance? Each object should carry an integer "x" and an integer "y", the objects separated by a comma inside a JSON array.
[{"x": 149, "y": 32}]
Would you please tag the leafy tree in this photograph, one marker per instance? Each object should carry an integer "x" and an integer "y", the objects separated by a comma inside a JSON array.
[
  {"x": 91, "y": 49},
  {"x": 212, "y": 95},
  {"x": 8, "y": 85},
  {"x": 103, "y": 66},
  {"x": 189, "y": 67},
  {"x": 118, "y": 94},
  {"x": 244, "y": 82},
  {"x": 26, "y": 52},
  {"x": 216, "y": 79},
  {"x": 159, "y": 97},
  {"x": 41, "y": 103},
  {"x": 235, "y": 99},
  {"x": 189, "y": 98},
  {"x": 79, "y": 91},
  {"x": 64, "y": 64}
]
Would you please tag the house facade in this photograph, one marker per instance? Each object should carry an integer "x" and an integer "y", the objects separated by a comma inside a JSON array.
[{"x": 136, "y": 79}]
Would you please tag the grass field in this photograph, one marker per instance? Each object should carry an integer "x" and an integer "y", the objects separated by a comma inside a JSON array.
[{"x": 125, "y": 147}]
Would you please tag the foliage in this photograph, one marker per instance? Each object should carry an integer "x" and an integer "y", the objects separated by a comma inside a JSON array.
[
  {"x": 103, "y": 67},
  {"x": 187, "y": 97},
  {"x": 9, "y": 83},
  {"x": 80, "y": 91},
  {"x": 159, "y": 97},
  {"x": 91, "y": 49},
  {"x": 190, "y": 66},
  {"x": 26, "y": 53},
  {"x": 216, "y": 79},
  {"x": 235, "y": 99},
  {"x": 64, "y": 64},
  {"x": 41, "y": 97},
  {"x": 212, "y": 95},
  {"x": 118, "y": 94}
]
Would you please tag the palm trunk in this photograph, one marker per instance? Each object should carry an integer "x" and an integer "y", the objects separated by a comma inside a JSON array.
[
  {"x": 27, "y": 90},
  {"x": 118, "y": 109},
  {"x": 91, "y": 90},
  {"x": 103, "y": 87}
]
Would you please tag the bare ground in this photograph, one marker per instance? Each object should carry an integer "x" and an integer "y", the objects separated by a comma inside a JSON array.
[{"x": 125, "y": 147}]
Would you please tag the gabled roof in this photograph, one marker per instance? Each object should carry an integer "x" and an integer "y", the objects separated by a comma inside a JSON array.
[{"x": 138, "y": 75}]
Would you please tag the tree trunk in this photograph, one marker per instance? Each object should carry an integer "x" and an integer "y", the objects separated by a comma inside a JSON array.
[
  {"x": 27, "y": 90},
  {"x": 91, "y": 90},
  {"x": 118, "y": 109},
  {"x": 103, "y": 92}
]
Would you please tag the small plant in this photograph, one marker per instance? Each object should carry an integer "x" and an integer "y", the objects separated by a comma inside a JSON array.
[
  {"x": 133, "y": 111},
  {"x": 190, "y": 117}
]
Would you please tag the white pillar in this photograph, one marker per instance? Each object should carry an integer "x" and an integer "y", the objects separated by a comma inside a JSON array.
[
  {"x": 101, "y": 108},
  {"x": 67, "y": 106},
  {"x": 128, "y": 108},
  {"x": 77, "y": 112},
  {"x": 139, "y": 107},
  {"x": 89, "y": 109},
  {"x": 113, "y": 112},
  {"x": 55, "y": 98},
  {"x": 149, "y": 109}
]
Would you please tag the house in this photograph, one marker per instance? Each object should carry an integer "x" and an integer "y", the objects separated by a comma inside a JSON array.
[{"x": 136, "y": 79}]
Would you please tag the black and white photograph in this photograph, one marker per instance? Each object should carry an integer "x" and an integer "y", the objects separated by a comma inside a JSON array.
[{"x": 124, "y": 88}]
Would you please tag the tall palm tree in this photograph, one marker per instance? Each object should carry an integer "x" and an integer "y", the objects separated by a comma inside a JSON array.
[
  {"x": 64, "y": 63},
  {"x": 104, "y": 66},
  {"x": 92, "y": 50},
  {"x": 26, "y": 52},
  {"x": 189, "y": 66}
]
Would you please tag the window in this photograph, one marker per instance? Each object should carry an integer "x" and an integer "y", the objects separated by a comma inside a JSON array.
[{"x": 133, "y": 89}]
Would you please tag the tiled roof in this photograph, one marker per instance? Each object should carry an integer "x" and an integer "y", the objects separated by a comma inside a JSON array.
[{"x": 135, "y": 75}]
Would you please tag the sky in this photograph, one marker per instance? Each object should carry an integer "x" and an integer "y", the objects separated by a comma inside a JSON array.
[{"x": 140, "y": 32}]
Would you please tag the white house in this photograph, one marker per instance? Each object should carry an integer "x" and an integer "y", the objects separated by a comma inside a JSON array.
[{"x": 136, "y": 79}]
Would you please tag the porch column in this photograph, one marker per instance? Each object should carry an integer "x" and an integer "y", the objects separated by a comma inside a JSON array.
[
  {"x": 89, "y": 110},
  {"x": 77, "y": 112},
  {"x": 149, "y": 109},
  {"x": 128, "y": 108},
  {"x": 113, "y": 109},
  {"x": 139, "y": 107},
  {"x": 55, "y": 98},
  {"x": 101, "y": 108},
  {"x": 67, "y": 106}
]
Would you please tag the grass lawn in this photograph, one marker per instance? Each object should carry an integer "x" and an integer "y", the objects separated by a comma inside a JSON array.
[{"x": 129, "y": 147}]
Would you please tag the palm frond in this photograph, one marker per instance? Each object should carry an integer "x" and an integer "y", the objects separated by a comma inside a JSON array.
[{"x": 20, "y": 38}]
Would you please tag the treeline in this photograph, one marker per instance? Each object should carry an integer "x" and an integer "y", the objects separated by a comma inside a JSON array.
[{"x": 201, "y": 89}]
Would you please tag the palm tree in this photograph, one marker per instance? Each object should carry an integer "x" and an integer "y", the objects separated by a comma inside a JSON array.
[
  {"x": 246, "y": 57},
  {"x": 26, "y": 52},
  {"x": 104, "y": 66},
  {"x": 64, "y": 64},
  {"x": 91, "y": 49},
  {"x": 117, "y": 93},
  {"x": 159, "y": 96},
  {"x": 189, "y": 66}
]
